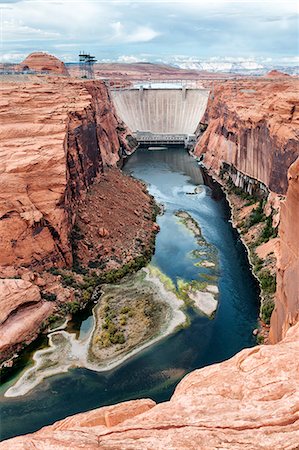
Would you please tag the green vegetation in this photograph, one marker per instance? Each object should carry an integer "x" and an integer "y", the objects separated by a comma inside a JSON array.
[
  {"x": 120, "y": 128},
  {"x": 78, "y": 268},
  {"x": 68, "y": 280},
  {"x": 86, "y": 295},
  {"x": 187, "y": 220},
  {"x": 257, "y": 262},
  {"x": 53, "y": 318},
  {"x": 112, "y": 332},
  {"x": 266, "y": 232},
  {"x": 185, "y": 286},
  {"x": 238, "y": 191},
  {"x": 49, "y": 296},
  {"x": 268, "y": 281},
  {"x": 269, "y": 232},
  {"x": 260, "y": 339},
  {"x": 54, "y": 271},
  {"x": 257, "y": 215},
  {"x": 73, "y": 307},
  {"x": 165, "y": 280},
  {"x": 131, "y": 141},
  {"x": 266, "y": 310}
]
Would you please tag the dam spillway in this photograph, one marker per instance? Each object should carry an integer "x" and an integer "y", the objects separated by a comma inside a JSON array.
[{"x": 161, "y": 115}]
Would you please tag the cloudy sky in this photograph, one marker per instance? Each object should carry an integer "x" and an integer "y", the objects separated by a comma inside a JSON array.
[{"x": 151, "y": 29}]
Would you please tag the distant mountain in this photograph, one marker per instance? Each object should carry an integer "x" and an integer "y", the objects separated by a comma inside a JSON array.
[{"x": 241, "y": 68}]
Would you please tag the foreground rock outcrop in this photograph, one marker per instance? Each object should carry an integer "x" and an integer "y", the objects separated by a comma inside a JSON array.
[
  {"x": 250, "y": 401},
  {"x": 22, "y": 312},
  {"x": 43, "y": 62}
]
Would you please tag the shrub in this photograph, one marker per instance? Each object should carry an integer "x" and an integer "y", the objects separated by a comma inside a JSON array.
[
  {"x": 54, "y": 271},
  {"x": 73, "y": 307},
  {"x": 112, "y": 329},
  {"x": 117, "y": 338},
  {"x": 78, "y": 268},
  {"x": 76, "y": 233},
  {"x": 49, "y": 296},
  {"x": 257, "y": 215},
  {"x": 269, "y": 231},
  {"x": 52, "y": 319},
  {"x": 268, "y": 281},
  {"x": 123, "y": 320},
  {"x": 94, "y": 264},
  {"x": 125, "y": 310},
  {"x": 68, "y": 280},
  {"x": 86, "y": 296},
  {"x": 266, "y": 311},
  {"x": 257, "y": 262},
  {"x": 260, "y": 339},
  {"x": 237, "y": 190}
]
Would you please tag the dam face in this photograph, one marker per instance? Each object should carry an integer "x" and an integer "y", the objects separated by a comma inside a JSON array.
[{"x": 161, "y": 115}]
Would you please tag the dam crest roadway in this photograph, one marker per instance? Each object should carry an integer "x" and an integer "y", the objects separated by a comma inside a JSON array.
[{"x": 161, "y": 113}]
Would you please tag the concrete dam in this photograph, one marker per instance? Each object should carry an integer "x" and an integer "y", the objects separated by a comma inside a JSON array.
[{"x": 162, "y": 116}]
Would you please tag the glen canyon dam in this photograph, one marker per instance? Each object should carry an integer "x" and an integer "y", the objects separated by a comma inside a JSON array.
[{"x": 149, "y": 226}]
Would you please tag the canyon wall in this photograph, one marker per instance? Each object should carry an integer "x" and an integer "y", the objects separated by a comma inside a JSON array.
[
  {"x": 286, "y": 312},
  {"x": 253, "y": 125},
  {"x": 252, "y": 133},
  {"x": 247, "y": 402},
  {"x": 57, "y": 137}
]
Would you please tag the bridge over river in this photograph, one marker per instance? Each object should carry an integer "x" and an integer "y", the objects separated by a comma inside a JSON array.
[{"x": 161, "y": 115}]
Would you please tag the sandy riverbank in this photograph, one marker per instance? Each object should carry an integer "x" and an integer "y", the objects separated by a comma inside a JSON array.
[{"x": 65, "y": 351}]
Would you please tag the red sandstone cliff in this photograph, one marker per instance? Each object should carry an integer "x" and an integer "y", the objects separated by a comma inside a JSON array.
[
  {"x": 248, "y": 402},
  {"x": 286, "y": 311},
  {"x": 253, "y": 133},
  {"x": 56, "y": 136},
  {"x": 254, "y": 127},
  {"x": 43, "y": 62}
]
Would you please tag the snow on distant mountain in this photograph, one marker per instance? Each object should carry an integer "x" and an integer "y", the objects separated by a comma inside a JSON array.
[{"x": 246, "y": 67}]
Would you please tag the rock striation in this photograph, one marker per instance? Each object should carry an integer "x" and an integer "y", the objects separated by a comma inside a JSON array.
[
  {"x": 253, "y": 126},
  {"x": 252, "y": 133},
  {"x": 250, "y": 401},
  {"x": 43, "y": 62},
  {"x": 57, "y": 136},
  {"x": 286, "y": 312}
]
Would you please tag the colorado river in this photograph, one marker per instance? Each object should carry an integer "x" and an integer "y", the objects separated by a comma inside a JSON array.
[{"x": 217, "y": 259}]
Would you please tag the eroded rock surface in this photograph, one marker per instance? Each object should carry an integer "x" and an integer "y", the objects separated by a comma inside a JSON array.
[
  {"x": 250, "y": 401},
  {"x": 43, "y": 62},
  {"x": 252, "y": 134},
  {"x": 57, "y": 135},
  {"x": 254, "y": 127},
  {"x": 22, "y": 313},
  {"x": 286, "y": 311}
]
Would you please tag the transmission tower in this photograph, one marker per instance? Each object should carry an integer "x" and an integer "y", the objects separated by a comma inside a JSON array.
[{"x": 86, "y": 62}]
